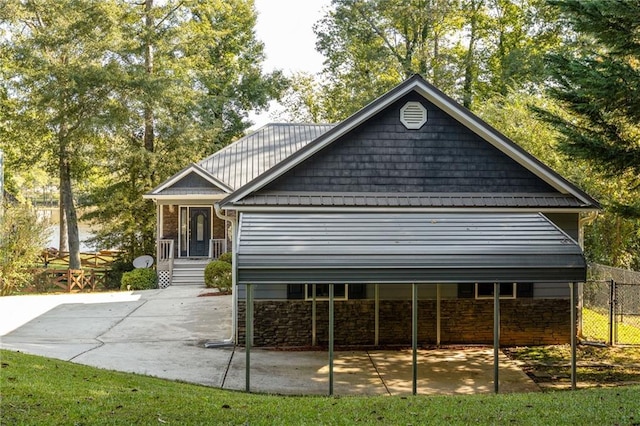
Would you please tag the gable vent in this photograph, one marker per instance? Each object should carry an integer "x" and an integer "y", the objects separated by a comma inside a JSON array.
[{"x": 413, "y": 115}]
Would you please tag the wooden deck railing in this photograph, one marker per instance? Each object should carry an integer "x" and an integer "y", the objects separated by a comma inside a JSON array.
[
  {"x": 103, "y": 259},
  {"x": 71, "y": 279}
]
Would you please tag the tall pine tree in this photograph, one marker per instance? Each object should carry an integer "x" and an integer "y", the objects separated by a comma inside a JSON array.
[{"x": 597, "y": 82}]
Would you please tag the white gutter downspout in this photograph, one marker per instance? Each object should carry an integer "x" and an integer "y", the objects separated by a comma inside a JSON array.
[
  {"x": 582, "y": 222},
  {"x": 234, "y": 292}
]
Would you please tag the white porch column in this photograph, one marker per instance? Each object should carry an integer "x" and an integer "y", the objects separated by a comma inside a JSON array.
[{"x": 158, "y": 230}]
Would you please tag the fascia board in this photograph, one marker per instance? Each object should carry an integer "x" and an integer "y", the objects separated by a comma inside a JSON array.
[
  {"x": 313, "y": 209},
  {"x": 189, "y": 197}
]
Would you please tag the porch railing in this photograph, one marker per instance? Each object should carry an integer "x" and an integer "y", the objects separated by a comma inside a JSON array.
[
  {"x": 217, "y": 247},
  {"x": 165, "y": 251}
]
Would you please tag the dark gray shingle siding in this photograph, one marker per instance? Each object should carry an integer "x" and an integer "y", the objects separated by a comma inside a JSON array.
[
  {"x": 193, "y": 180},
  {"x": 383, "y": 156}
]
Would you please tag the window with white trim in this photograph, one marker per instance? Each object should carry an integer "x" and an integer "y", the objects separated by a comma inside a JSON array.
[
  {"x": 485, "y": 290},
  {"x": 340, "y": 291}
]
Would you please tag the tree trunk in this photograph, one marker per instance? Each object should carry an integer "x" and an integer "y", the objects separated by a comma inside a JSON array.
[
  {"x": 469, "y": 74},
  {"x": 66, "y": 204},
  {"x": 62, "y": 242},
  {"x": 149, "y": 135}
]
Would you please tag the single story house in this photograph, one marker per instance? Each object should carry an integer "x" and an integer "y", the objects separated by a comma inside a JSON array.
[{"x": 411, "y": 221}]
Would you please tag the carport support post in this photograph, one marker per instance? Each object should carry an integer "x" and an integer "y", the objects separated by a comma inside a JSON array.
[
  {"x": 438, "y": 312},
  {"x": 377, "y": 314},
  {"x": 314, "y": 339},
  {"x": 612, "y": 309},
  {"x": 414, "y": 336},
  {"x": 572, "y": 287},
  {"x": 496, "y": 336},
  {"x": 331, "y": 339},
  {"x": 248, "y": 337}
]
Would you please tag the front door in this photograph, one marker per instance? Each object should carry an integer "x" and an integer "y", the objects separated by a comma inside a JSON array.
[{"x": 199, "y": 232}]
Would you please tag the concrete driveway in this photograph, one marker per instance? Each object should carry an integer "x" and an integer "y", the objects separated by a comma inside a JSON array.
[{"x": 163, "y": 333}]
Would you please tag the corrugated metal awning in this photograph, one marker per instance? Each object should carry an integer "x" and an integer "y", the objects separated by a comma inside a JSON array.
[{"x": 405, "y": 248}]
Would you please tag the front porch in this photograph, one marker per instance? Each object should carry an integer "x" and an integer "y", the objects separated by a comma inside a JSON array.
[{"x": 189, "y": 237}]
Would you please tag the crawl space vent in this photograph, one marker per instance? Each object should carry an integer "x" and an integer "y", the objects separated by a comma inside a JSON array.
[{"x": 413, "y": 115}]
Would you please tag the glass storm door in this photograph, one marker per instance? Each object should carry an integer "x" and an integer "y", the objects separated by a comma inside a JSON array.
[{"x": 195, "y": 230}]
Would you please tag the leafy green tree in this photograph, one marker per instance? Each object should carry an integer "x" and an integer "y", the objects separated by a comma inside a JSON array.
[
  {"x": 22, "y": 237},
  {"x": 56, "y": 77},
  {"x": 302, "y": 101},
  {"x": 191, "y": 72},
  {"x": 597, "y": 80},
  {"x": 470, "y": 49},
  {"x": 517, "y": 36},
  {"x": 610, "y": 239},
  {"x": 511, "y": 115},
  {"x": 370, "y": 46}
]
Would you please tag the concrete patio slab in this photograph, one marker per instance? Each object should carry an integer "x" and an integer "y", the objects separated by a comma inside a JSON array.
[
  {"x": 449, "y": 371},
  {"x": 304, "y": 373},
  {"x": 162, "y": 333}
]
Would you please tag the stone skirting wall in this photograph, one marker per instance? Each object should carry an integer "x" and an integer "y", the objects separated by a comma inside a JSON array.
[{"x": 280, "y": 323}]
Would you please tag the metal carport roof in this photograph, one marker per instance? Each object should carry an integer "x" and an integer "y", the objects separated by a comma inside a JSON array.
[{"x": 405, "y": 248}]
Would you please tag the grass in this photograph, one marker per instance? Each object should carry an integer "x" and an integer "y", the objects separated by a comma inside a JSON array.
[
  {"x": 38, "y": 390},
  {"x": 595, "y": 327},
  {"x": 597, "y": 366}
]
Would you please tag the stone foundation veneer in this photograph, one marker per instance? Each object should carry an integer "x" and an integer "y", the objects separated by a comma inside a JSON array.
[{"x": 287, "y": 323}]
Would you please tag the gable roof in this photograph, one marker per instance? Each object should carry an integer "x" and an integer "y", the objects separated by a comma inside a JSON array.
[
  {"x": 573, "y": 196},
  {"x": 172, "y": 188},
  {"x": 247, "y": 158}
]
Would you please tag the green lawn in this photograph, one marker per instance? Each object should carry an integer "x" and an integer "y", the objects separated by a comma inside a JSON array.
[
  {"x": 595, "y": 326},
  {"x": 38, "y": 390},
  {"x": 597, "y": 366}
]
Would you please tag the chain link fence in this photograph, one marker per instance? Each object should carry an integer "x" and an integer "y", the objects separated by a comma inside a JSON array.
[{"x": 611, "y": 306}]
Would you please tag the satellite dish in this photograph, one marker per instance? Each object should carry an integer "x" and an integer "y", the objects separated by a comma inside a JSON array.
[{"x": 143, "y": 261}]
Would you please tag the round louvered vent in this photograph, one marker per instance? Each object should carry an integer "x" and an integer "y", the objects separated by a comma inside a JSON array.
[{"x": 413, "y": 115}]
